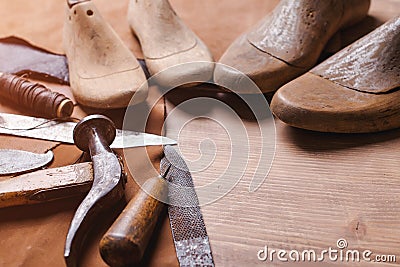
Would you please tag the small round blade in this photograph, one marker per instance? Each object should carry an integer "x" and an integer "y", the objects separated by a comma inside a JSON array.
[{"x": 18, "y": 161}]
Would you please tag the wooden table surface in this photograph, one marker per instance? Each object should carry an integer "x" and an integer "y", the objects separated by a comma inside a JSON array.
[{"x": 320, "y": 188}]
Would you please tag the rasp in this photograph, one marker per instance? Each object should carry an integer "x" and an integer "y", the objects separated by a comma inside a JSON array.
[
  {"x": 18, "y": 161},
  {"x": 188, "y": 229},
  {"x": 61, "y": 131}
]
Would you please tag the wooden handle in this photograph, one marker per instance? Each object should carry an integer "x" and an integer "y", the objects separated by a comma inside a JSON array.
[
  {"x": 125, "y": 242},
  {"x": 46, "y": 185},
  {"x": 35, "y": 96}
]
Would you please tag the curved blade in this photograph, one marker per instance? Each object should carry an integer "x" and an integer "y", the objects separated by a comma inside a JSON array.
[{"x": 18, "y": 161}]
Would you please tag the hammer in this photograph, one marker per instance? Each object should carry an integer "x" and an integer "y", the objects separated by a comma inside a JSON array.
[
  {"x": 125, "y": 242},
  {"x": 94, "y": 134}
]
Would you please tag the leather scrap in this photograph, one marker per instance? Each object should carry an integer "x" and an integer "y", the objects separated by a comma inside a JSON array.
[{"x": 20, "y": 57}]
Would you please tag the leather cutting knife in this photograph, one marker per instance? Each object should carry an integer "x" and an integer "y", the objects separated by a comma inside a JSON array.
[
  {"x": 17, "y": 161},
  {"x": 61, "y": 131}
]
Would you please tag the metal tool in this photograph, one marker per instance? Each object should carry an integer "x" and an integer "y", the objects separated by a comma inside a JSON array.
[
  {"x": 94, "y": 134},
  {"x": 18, "y": 161},
  {"x": 125, "y": 242},
  {"x": 46, "y": 185},
  {"x": 188, "y": 229},
  {"x": 58, "y": 131}
]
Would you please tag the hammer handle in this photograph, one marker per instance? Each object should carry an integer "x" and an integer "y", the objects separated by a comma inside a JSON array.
[
  {"x": 125, "y": 242},
  {"x": 35, "y": 96}
]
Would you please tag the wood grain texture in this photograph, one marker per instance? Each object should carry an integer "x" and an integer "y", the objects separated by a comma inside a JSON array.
[{"x": 321, "y": 187}]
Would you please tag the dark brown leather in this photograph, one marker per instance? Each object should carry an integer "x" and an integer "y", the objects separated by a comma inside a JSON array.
[{"x": 18, "y": 56}]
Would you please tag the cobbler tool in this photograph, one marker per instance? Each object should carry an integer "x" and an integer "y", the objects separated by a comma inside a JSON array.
[
  {"x": 46, "y": 185},
  {"x": 94, "y": 134},
  {"x": 35, "y": 96},
  {"x": 17, "y": 161},
  {"x": 126, "y": 240},
  {"x": 61, "y": 131},
  {"x": 189, "y": 232}
]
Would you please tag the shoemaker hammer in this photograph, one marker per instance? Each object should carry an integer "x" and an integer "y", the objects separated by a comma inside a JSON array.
[
  {"x": 125, "y": 242},
  {"x": 104, "y": 178},
  {"x": 133, "y": 228}
]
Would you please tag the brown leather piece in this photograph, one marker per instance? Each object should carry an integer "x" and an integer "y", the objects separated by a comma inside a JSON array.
[{"x": 18, "y": 56}]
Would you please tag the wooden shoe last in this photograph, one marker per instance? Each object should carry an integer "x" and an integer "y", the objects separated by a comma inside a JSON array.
[
  {"x": 103, "y": 71},
  {"x": 354, "y": 91},
  {"x": 288, "y": 42},
  {"x": 166, "y": 41}
]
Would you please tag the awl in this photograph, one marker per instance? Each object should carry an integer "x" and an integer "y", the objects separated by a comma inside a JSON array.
[{"x": 61, "y": 131}]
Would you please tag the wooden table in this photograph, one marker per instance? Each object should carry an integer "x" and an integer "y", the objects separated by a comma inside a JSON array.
[{"x": 320, "y": 188}]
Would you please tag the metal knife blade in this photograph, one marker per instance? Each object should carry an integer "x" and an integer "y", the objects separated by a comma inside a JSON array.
[
  {"x": 57, "y": 131},
  {"x": 18, "y": 161}
]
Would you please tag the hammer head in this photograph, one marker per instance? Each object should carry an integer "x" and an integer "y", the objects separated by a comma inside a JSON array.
[{"x": 84, "y": 130}]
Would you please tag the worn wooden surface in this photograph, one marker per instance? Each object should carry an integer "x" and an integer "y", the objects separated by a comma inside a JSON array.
[{"x": 321, "y": 187}]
